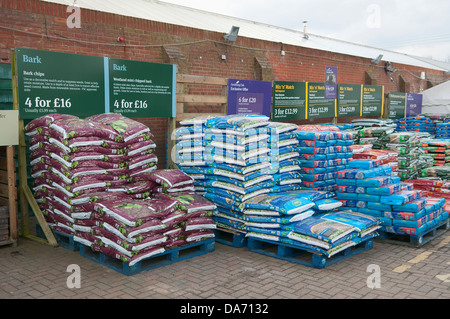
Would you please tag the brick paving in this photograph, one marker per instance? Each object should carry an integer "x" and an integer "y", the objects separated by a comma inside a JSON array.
[{"x": 37, "y": 271}]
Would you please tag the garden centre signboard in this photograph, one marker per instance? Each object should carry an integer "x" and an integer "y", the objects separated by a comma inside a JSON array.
[
  {"x": 349, "y": 100},
  {"x": 404, "y": 104},
  {"x": 372, "y": 100},
  {"x": 289, "y": 100},
  {"x": 51, "y": 82},
  {"x": 81, "y": 85},
  {"x": 249, "y": 97},
  {"x": 397, "y": 105},
  {"x": 319, "y": 106},
  {"x": 413, "y": 104},
  {"x": 141, "y": 89}
]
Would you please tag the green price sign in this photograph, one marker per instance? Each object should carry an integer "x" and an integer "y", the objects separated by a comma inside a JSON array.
[
  {"x": 52, "y": 82},
  {"x": 318, "y": 105},
  {"x": 141, "y": 89},
  {"x": 372, "y": 100},
  {"x": 81, "y": 85},
  {"x": 349, "y": 100},
  {"x": 397, "y": 105},
  {"x": 289, "y": 100}
]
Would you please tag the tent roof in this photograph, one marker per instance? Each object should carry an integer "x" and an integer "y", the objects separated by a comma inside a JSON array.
[
  {"x": 438, "y": 95},
  {"x": 180, "y": 15}
]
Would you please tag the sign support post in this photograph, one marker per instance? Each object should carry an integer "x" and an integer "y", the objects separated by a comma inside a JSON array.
[{"x": 25, "y": 195}]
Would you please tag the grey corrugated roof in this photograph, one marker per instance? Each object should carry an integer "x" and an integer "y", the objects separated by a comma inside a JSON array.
[{"x": 194, "y": 18}]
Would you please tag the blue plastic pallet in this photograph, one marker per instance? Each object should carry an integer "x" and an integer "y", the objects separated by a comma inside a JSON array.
[
  {"x": 303, "y": 256},
  {"x": 64, "y": 240},
  {"x": 415, "y": 240},
  {"x": 168, "y": 257},
  {"x": 230, "y": 238}
]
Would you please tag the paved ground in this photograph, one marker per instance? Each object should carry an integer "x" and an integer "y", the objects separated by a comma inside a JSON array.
[{"x": 36, "y": 271}]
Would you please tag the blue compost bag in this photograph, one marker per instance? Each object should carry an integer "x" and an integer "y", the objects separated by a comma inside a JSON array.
[
  {"x": 313, "y": 150},
  {"x": 285, "y": 188},
  {"x": 315, "y": 157},
  {"x": 400, "y": 198},
  {"x": 232, "y": 187},
  {"x": 279, "y": 221},
  {"x": 238, "y": 122},
  {"x": 363, "y": 223},
  {"x": 383, "y": 190},
  {"x": 281, "y": 127},
  {"x": 327, "y": 204},
  {"x": 346, "y": 196},
  {"x": 351, "y": 189},
  {"x": 288, "y": 203},
  {"x": 310, "y": 135},
  {"x": 191, "y": 143},
  {"x": 243, "y": 169},
  {"x": 313, "y": 143},
  {"x": 321, "y": 232},
  {"x": 313, "y": 164},
  {"x": 268, "y": 231},
  {"x": 369, "y": 197},
  {"x": 364, "y": 164},
  {"x": 413, "y": 206}
]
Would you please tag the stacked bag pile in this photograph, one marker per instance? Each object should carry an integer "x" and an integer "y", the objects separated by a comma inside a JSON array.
[
  {"x": 332, "y": 232},
  {"x": 386, "y": 157},
  {"x": 229, "y": 158},
  {"x": 371, "y": 189},
  {"x": 406, "y": 144},
  {"x": 323, "y": 151},
  {"x": 284, "y": 157},
  {"x": 372, "y": 134},
  {"x": 443, "y": 130},
  {"x": 419, "y": 123},
  {"x": 131, "y": 229},
  {"x": 272, "y": 216},
  {"x": 433, "y": 187},
  {"x": 74, "y": 161},
  {"x": 307, "y": 219},
  {"x": 97, "y": 180},
  {"x": 437, "y": 150},
  {"x": 411, "y": 157}
]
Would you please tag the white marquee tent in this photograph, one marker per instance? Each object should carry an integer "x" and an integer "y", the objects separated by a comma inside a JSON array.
[{"x": 436, "y": 100}]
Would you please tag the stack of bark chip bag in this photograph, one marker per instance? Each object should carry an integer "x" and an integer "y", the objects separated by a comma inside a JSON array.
[
  {"x": 72, "y": 161},
  {"x": 236, "y": 164},
  {"x": 97, "y": 179}
]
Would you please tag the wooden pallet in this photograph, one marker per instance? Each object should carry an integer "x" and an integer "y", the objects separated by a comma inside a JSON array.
[
  {"x": 64, "y": 240},
  {"x": 168, "y": 257},
  {"x": 230, "y": 237},
  {"x": 301, "y": 255},
  {"x": 416, "y": 240}
]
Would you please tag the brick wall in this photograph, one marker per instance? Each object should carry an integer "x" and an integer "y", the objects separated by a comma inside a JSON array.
[{"x": 41, "y": 25}]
